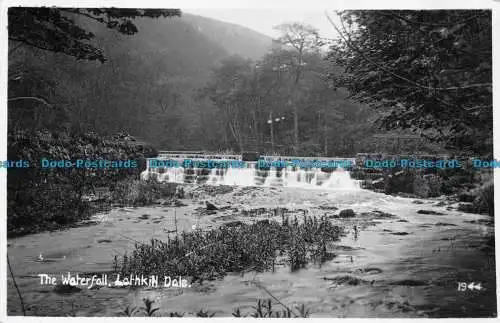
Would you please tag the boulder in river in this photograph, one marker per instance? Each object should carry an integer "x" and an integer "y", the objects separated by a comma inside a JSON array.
[
  {"x": 376, "y": 214},
  {"x": 210, "y": 206},
  {"x": 466, "y": 197},
  {"x": 327, "y": 207},
  {"x": 263, "y": 222},
  {"x": 347, "y": 213},
  {"x": 400, "y": 233},
  {"x": 383, "y": 215},
  {"x": 66, "y": 289},
  {"x": 178, "y": 203},
  {"x": 467, "y": 208}
]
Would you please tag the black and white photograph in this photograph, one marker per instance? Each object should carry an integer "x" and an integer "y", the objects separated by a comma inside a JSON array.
[{"x": 257, "y": 162}]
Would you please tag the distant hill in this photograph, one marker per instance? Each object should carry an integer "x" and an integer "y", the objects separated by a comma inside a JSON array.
[
  {"x": 235, "y": 39},
  {"x": 149, "y": 85}
]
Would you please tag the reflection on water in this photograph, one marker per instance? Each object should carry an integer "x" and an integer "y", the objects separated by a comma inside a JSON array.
[{"x": 403, "y": 265}]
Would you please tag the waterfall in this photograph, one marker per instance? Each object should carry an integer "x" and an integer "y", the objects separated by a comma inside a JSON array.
[{"x": 250, "y": 175}]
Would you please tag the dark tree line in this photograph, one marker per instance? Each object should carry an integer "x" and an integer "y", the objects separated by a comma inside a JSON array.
[{"x": 427, "y": 71}]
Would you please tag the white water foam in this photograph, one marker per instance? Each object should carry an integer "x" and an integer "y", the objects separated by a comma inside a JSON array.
[{"x": 312, "y": 178}]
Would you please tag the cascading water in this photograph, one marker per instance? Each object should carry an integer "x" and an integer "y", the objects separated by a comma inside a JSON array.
[{"x": 250, "y": 175}]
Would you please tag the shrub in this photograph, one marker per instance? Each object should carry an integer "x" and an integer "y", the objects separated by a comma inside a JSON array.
[{"x": 138, "y": 192}]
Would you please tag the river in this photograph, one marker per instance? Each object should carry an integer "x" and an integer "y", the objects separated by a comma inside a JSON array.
[{"x": 405, "y": 265}]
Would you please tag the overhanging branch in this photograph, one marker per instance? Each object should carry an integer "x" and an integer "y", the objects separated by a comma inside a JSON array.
[{"x": 383, "y": 68}]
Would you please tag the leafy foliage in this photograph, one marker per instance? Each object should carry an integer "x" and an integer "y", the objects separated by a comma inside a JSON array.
[
  {"x": 55, "y": 29},
  {"x": 42, "y": 198},
  {"x": 258, "y": 112},
  {"x": 430, "y": 71}
]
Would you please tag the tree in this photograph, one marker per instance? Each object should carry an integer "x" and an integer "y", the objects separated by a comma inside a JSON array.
[
  {"x": 54, "y": 29},
  {"x": 303, "y": 39},
  {"x": 430, "y": 71},
  {"x": 229, "y": 91}
]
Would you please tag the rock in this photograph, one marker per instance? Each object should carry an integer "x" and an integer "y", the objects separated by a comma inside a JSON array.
[
  {"x": 347, "y": 213},
  {"x": 179, "y": 203},
  {"x": 400, "y": 233},
  {"x": 164, "y": 202},
  {"x": 103, "y": 241},
  {"x": 210, "y": 206},
  {"x": 409, "y": 282},
  {"x": 383, "y": 215},
  {"x": 256, "y": 212},
  {"x": 179, "y": 192},
  {"x": 467, "y": 207},
  {"x": 263, "y": 222},
  {"x": 346, "y": 280},
  {"x": 442, "y": 224},
  {"x": 328, "y": 207},
  {"x": 480, "y": 221},
  {"x": 379, "y": 183},
  {"x": 233, "y": 224},
  {"x": 407, "y": 195},
  {"x": 429, "y": 212},
  {"x": 66, "y": 289},
  {"x": 144, "y": 217},
  {"x": 417, "y": 202},
  {"x": 466, "y": 197}
]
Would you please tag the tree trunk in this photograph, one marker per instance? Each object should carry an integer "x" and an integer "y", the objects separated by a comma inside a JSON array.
[
  {"x": 326, "y": 134},
  {"x": 272, "y": 131},
  {"x": 295, "y": 128}
]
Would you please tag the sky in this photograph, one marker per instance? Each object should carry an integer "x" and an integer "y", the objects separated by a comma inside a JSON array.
[{"x": 263, "y": 20}]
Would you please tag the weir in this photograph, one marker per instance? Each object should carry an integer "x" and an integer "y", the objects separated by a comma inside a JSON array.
[{"x": 251, "y": 173}]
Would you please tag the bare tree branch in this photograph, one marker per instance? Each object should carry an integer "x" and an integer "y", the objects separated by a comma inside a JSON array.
[{"x": 29, "y": 98}]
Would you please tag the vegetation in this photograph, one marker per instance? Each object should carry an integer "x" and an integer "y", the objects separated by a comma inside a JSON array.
[
  {"x": 209, "y": 255},
  {"x": 428, "y": 71},
  {"x": 47, "y": 198}
]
